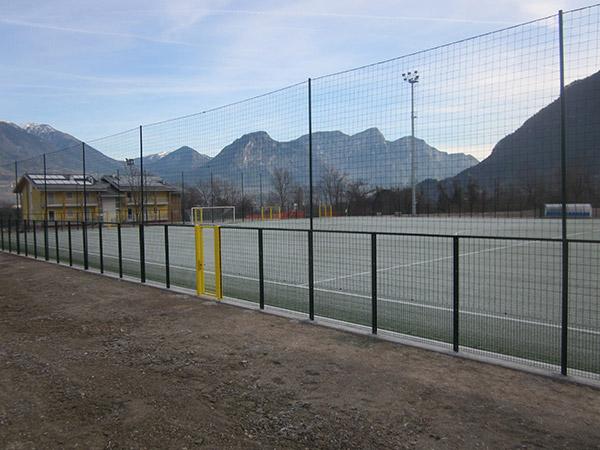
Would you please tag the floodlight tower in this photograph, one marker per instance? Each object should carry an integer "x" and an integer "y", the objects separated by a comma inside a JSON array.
[{"x": 412, "y": 78}]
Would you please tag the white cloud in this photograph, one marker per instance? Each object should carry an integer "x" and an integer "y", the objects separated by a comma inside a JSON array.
[
  {"x": 208, "y": 52},
  {"x": 43, "y": 26}
]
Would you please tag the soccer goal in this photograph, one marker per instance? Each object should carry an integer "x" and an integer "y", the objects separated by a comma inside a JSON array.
[
  {"x": 325, "y": 210},
  {"x": 270, "y": 213},
  {"x": 213, "y": 214}
]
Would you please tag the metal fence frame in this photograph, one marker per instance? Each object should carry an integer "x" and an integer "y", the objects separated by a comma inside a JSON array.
[{"x": 10, "y": 226}]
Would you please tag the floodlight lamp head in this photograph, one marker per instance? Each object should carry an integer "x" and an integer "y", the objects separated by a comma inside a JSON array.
[{"x": 411, "y": 77}]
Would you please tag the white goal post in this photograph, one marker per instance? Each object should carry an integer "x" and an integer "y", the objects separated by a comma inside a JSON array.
[{"x": 212, "y": 214}]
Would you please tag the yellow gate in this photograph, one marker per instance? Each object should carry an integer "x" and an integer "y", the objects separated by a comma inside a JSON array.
[{"x": 201, "y": 261}]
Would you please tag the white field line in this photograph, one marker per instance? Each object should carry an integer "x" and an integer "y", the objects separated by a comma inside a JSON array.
[
  {"x": 419, "y": 305},
  {"x": 435, "y": 260},
  {"x": 366, "y": 297},
  {"x": 419, "y": 263},
  {"x": 387, "y": 300}
]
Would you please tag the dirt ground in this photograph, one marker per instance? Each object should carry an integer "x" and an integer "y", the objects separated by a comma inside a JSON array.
[{"x": 92, "y": 362}]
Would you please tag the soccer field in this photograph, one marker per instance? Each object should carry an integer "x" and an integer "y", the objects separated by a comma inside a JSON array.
[{"x": 509, "y": 290}]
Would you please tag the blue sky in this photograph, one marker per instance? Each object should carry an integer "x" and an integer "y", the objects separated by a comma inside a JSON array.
[{"x": 96, "y": 68}]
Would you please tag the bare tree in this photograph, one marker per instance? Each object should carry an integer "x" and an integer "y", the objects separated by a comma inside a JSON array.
[
  {"x": 298, "y": 198},
  {"x": 358, "y": 198},
  {"x": 217, "y": 192},
  {"x": 134, "y": 183},
  {"x": 282, "y": 184},
  {"x": 443, "y": 203},
  {"x": 332, "y": 186},
  {"x": 457, "y": 195},
  {"x": 225, "y": 193},
  {"x": 473, "y": 192},
  {"x": 201, "y": 194}
]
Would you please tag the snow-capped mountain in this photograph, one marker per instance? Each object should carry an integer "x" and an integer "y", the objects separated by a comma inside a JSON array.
[{"x": 170, "y": 164}]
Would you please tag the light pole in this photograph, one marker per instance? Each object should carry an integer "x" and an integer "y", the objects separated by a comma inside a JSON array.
[{"x": 412, "y": 78}]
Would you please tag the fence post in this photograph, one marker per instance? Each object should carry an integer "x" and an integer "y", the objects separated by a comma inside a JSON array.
[
  {"x": 2, "y": 232},
  {"x": 374, "y": 283},
  {"x": 142, "y": 212},
  {"x": 84, "y": 222},
  {"x": 100, "y": 247},
  {"x": 16, "y": 183},
  {"x": 56, "y": 242},
  {"x": 142, "y": 198},
  {"x": 310, "y": 158},
  {"x": 9, "y": 236},
  {"x": 167, "y": 265},
  {"x": 261, "y": 270},
  {"x": 120, "y": 250},
  {"x": 182, "y": 198},
  {"x": 46, "y": 245},
  {"x": 35, "y": 249},
  {"x": 25, "y": 243},
  {"x": 243, "y": 215},
  {"x": 455, "y": 291},
  {"x": 311, "y": 281},
  {"x": 85, "y": 244},
  {"x": 142, "y": 254},
  {"x": 84, "y": 182},
  {"x": 563, "y": 180},
  {"x": 18, "y": 241},
  {"x": 70, "y": 243}
]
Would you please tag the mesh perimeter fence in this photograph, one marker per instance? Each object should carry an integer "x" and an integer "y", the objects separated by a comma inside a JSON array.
[{"x": 450, "y": 195}]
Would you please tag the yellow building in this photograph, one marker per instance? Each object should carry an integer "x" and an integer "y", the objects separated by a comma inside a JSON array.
[
  {"x": 162, "y": 202},
  {"x": 108, "y": 199}
]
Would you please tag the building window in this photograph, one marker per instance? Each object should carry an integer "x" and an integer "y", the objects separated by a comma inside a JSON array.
[
  {"x": 69, "y": 196},
  {"x": 50, "y": 197},
  {"x": 50, "y": 215}
]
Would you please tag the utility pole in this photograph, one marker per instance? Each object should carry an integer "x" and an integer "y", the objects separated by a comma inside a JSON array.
[
  {"x": 412, "y": 78},
  {"x": 182, "y": 197}
]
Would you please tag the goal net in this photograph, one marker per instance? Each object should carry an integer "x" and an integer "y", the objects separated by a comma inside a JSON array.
[
  {"x": 270, "y": 213},
  {"x": 213, "y": 214}
]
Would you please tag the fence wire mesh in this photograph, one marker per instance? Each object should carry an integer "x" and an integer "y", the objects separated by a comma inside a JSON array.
[{"x": 450, "y": 195}]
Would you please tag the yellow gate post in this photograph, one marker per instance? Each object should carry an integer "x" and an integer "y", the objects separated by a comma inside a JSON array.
[
  {"x": 201, "y": 267},
  {"x": 198, "y": 231},
  {"x": 218, "y": 275}
]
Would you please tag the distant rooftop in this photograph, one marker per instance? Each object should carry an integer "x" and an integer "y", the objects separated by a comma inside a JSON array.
[
  {"x": 76, "y": 182},
  {"x": 126, "y": 183}
]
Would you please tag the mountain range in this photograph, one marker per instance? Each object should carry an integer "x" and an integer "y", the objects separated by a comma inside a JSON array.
[
  {"x": 531, "y": 155},
  {"x": 169, "y": 165},
  {"x": 528, "y": 155},
  {"x": 365, "y": 156}
]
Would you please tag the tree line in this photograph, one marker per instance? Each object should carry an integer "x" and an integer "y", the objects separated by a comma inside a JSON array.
[{"x": 348, "y": 197}]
